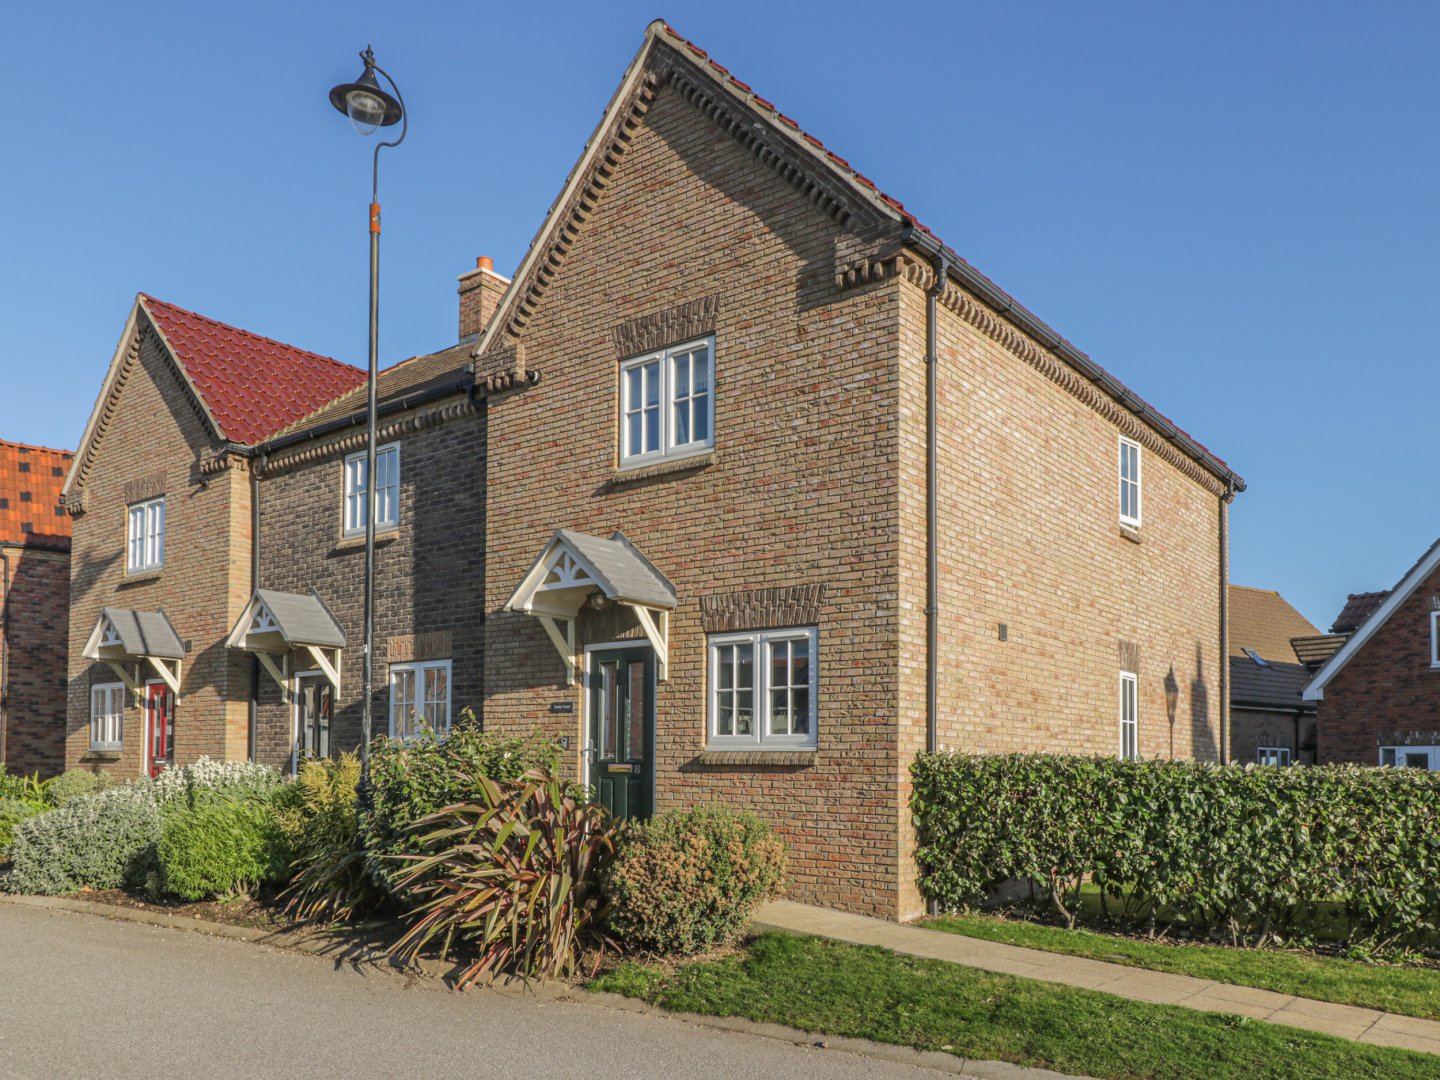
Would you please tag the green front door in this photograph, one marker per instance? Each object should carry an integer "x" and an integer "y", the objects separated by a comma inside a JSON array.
[{"x": 622, "y": 729}]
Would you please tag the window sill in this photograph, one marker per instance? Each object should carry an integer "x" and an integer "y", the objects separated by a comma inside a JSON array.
[
  {"x": 757, "y": 757},
  {"x": 1130, "y": 532},
  {"x": 106, "y": 756},
  {"x": 357, "y": 543},
  {"x": 141, "y": 577},
  {"x": 626, "y": 474}
]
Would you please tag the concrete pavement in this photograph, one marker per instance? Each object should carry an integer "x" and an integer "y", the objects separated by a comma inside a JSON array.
[
  {"x": 85, "y": 996},
  {"x": 1344, "y": 1021}
]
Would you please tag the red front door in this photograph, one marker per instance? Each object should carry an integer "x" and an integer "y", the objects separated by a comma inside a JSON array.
[{"x": 159, "y": 727}]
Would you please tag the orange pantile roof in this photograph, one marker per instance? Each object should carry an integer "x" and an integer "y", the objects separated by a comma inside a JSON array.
[
  {"x": 251, "y": 385},
  {"x": 30, "y": 481}
]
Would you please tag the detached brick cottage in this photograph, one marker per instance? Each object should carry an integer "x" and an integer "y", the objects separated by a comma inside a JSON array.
[
  {"x": 34, "y": 603},
  {"x": 671, "y": 499}
]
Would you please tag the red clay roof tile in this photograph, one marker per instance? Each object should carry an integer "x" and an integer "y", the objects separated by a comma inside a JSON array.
[
  {"x": 30, "y": 481},
  {"x": 253, "y": 386}
]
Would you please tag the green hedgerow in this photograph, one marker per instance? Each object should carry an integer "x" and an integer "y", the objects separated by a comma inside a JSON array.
[
  {"x": 217, "y": 844},
  {"x": 100, "y": 841},
  {"x": 689, "y": 880}
]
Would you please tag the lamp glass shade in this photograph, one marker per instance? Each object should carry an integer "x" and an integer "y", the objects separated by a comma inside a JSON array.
[{"x": 366, "y": 111}]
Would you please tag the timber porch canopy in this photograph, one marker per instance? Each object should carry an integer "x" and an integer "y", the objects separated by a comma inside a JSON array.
[
  {"x": 574, "y": 566},
  {"x": 274, "y": 624},
  {"x": 122, "y": 636}
]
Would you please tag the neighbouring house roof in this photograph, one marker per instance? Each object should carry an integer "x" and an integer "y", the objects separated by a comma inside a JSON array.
[
  {"x": 124, "y": 633},
  {"x": 1372, "y": 621},
  {"x": 252, "y": 386},
  {"x": 551, "y": 241},
  {"x": 1262, "y": 620},
  {"x": 1275, "y": 686},
  {"x": 31, "y": 479},
  {"x": 1358, "y": 607},
  {"x": 1314, "y": 651}
]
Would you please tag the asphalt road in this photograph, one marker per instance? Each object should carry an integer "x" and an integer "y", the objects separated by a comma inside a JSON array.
[{"x": 84, "y": 996}]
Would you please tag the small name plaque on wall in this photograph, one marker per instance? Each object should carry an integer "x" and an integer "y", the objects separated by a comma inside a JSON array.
[{"x": 562, "y": 706}]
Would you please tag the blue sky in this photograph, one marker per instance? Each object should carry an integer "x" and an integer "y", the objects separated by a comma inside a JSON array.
[{"x": 1230, "y": 206}]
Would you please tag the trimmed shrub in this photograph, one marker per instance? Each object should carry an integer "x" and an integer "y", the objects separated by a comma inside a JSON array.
[
  {"x": 413, "y": 779},
  {"x": 515, "y": 874},
  {"x": 24, "y": 788},
  {"x": 322, "y": 826},
  {"x": 217, "y": 844},
  {"x": 101, "y": 841},
  {"x": 12, "y": 813},
  {"x": 1250, "y": 851},
  {"x": 239, "y": 779},
  {"x": 689, "y": 880},
  {"x": 74, "y": 783}
]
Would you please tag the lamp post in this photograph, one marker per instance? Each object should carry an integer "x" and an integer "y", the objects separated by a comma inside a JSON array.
[{"x": 369, "y": 108}]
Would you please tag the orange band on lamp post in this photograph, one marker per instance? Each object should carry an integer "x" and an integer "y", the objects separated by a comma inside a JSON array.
[{"x": 375, "y": 217}]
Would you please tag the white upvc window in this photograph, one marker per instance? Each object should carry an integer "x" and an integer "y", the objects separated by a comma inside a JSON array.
[
  {"x": 1129, "y": 482},
  {"x": 1411, "y": 757},
  {"x": 1272, "y": 755},
  {"x": 1435, "y": 639},
  {"x": 419, "y": 698},
  {"x": 1129, "y": 717},
  {"x": 145, "y": 535},
  {"x": 387, "y": 490},
  {"x": 107, "y": 716},
  {"x": 764, "y": 689},
  {"x": 667, "y": 403}
]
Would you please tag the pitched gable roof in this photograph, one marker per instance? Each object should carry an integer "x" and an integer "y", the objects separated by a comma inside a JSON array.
[
  {"x": 251, "y": 386},
  {"x": 1414, "y": 577},
  {"x": 31, "y": 512},
  {"x": 824, "y": 177},
  {"x": 1262, "y": 620},
  {"x": 1358, "y": 607}
]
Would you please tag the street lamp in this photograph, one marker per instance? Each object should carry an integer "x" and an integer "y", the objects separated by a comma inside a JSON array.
[{"x": 369, "y": 108}]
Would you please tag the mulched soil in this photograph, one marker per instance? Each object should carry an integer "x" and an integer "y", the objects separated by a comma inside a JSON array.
[{"x": 260, "y": 914}]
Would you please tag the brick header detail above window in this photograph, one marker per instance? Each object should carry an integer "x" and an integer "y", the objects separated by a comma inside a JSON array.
[
  {"x": 668, "y": 327},
  {"x": 762, "y": 609},
  {"x": 146, "y": 487},
  {"x": 402, "y": 648},
  {"x": 1129, "y": 656}
]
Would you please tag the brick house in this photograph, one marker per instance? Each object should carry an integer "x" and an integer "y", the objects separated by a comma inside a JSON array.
[
  {"x": 1378, "y": 696},
  {"x": 1270, "y": 723},
  {"x": 746, "y": 487},
  {"x": 161, "y": 561},
  {"x": 34, "y": 607}
]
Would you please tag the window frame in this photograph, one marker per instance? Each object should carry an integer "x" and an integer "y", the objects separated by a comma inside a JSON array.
[
  {"x": 1277, "y": 756},
  {"x": 1397, "y": 751},
  {"x": 348, "y": 530},
  {"x": 667, "y": 450},
  {"x": 762, "y": 641},
  {"x": 418, "y": 669},
  {"x": 117, "y": 743},
  {"x": 1435, "y": 639},
  {"x": 1138, "y": 481},
  {"x": 145, "y": 512},
  {"x": 1130, "y": 680}
]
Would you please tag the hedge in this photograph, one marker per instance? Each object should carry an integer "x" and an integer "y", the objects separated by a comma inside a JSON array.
[{"x": 1249, "y": 850}]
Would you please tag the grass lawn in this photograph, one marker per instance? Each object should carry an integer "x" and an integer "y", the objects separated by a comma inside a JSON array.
[
  {"x": 869, "y": 993},
  {"x": 1410, "y": 991}
]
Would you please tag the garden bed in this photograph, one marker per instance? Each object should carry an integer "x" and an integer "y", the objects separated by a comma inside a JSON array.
[{"x": 256, "y": 914}]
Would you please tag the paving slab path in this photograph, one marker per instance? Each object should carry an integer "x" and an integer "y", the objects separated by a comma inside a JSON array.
[{"x": 1346, "y": 1021}]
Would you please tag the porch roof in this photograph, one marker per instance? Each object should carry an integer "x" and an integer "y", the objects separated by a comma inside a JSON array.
[
  {"x": 572, "y": 565},
  {"x": 277, "y": 621},
  {"x": 122, "y": 634}
]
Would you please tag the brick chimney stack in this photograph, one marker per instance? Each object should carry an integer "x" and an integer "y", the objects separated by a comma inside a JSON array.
[{"x": 480, "y": 291}]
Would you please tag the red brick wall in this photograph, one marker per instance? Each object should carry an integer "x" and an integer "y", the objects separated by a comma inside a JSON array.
[
  {"x": 1387, "y": 694},
  {"x": 157, "y": 435},
  {"x": 37, "y": 605}
]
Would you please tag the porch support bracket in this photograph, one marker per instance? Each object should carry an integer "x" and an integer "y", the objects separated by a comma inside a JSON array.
[
  {"x": 170, "y": 675},
  {"x": 330, "y": 665},
  {"x": 278, "y": 673},
  {"x": 564, "y": 643},
  {"x": 131, "y": 683},
  {"x": 656, "y": 625}
]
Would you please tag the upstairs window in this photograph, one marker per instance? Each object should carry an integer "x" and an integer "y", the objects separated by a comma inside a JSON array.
[
  {"x": 387, "y": 490},
  {"x": 145, "y": 536},
  {"x": 419, "y": 698},
  {"x": 667, "y": 403},
  {"x": 1129, "y": 483},
  {"x": 1129, "y": 718},
  {"x": 107, "y": 716}
]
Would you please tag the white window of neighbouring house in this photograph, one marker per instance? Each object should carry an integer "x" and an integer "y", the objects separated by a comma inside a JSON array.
[
  {"x": 387, "y": 490},
  {"x": 107, "y": 716},
  {"x": 419, "y": 698},
  {"x": 1129, "y": 720},
  {"x": 1272, "y": 755},
  {"x": 1129, "y": 483},
  {"x": 667, "y": 403},
  {"x": 763, "y": 689},
  {"x": 145, "y": 535},
  {"x": 1435, "y": 639},
  {"x": 1411, "y": 757}
]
